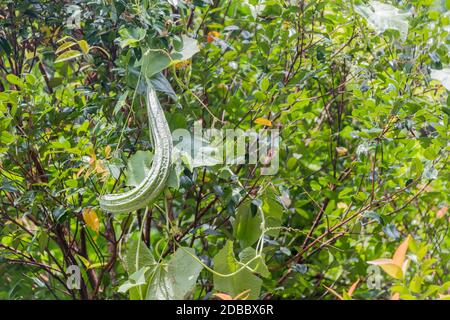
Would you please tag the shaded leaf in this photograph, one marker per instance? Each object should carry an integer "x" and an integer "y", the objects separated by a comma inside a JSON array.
[
  {"x": 400, "y": 253},
  {"x": 68, "y": 55},
  {"x": 225, "y": 263},
  {"x": 154, "y": 61},
  {"x": 247, "y": 227},
  {"x": 184, "y": 271},
  {"x": 258, "y": 265}
]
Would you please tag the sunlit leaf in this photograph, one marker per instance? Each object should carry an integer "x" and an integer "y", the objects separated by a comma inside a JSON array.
[
  {"x": 247, "y": 226},
  {"x": 383, "y": 16},
  {"x": 442, "y": 75},
  {"x": 400, "y": 253},
  {"x": 389, "y": 267},
  {"x": 190, "y": 47},
  {"x": 264, "y": 122}
]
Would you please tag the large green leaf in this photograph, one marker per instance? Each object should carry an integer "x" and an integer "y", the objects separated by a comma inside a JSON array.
[
  {"x": 247, "y": 226},
  {"x": 273, "y": 213},
  {"x": 160, "y": 83},
  {"x": 154, "y": 61},
  {"x": 190, "y": 47},
  {"x": 130, "y": 36},
  {"x": 225, "y": 263},
  {"x": 136, "y": 279},
  {"x": 175, "y": 280},
  {"x": 138, "y": 257},
  {"x": 184, "y": 271},
  {"x": 138, "y": 167},
  {"x": 257, "y": 262},
  {"x": 160, "y": 286}
]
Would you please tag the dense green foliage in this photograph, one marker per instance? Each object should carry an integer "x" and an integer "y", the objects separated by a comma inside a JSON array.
[{"x": 363, "y": 118}]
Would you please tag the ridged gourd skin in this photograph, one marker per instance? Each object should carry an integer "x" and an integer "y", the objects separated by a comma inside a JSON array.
[{"x": 154, "y": 183}]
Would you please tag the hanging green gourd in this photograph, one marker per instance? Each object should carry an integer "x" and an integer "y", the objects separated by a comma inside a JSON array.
[{"x": 155, "y": 180}]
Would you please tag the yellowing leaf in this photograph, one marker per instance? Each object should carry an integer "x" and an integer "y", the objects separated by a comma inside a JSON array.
[
  {"x": 441, "y": 212},
  {"x": 64, "y": 46},
  {"x": 342, "y": 205},
  {"x": 222, "y": 296},
  {"x": 81, "y": 171},
  {"x": 352, "y": 288},
  {"x": 91, "y": 219},
  {"x": 389, "y": 267},
  {"x": 96, "y": 265},
  {"x": 99, "y": 167},
  {"x": 334, "y": 293},
  {"x": 341, "y": 151},
  {"x": 242, "y": 296},
  {"x": 395, "y": 267},
  {"x": 395, "y": 296},
  {"x": 88, "y": 173},
  {"x": 84, "y": 260},
  {"x": 84, "y": 46},
  {"x": 68, "y": 55},
  {"x": 90, "y": 265},
  {"x": 92, "y": 158},
  {"x": 393, "y": 270},
  {"x": 264, "y": 122},
  {"x": 107, "y": 151},
  {"x": 212, "y": 35},
  {"x": 286, "y": 25},
  {"x": 400, "y": 253},
  {"x": 182, "y": 64}
]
